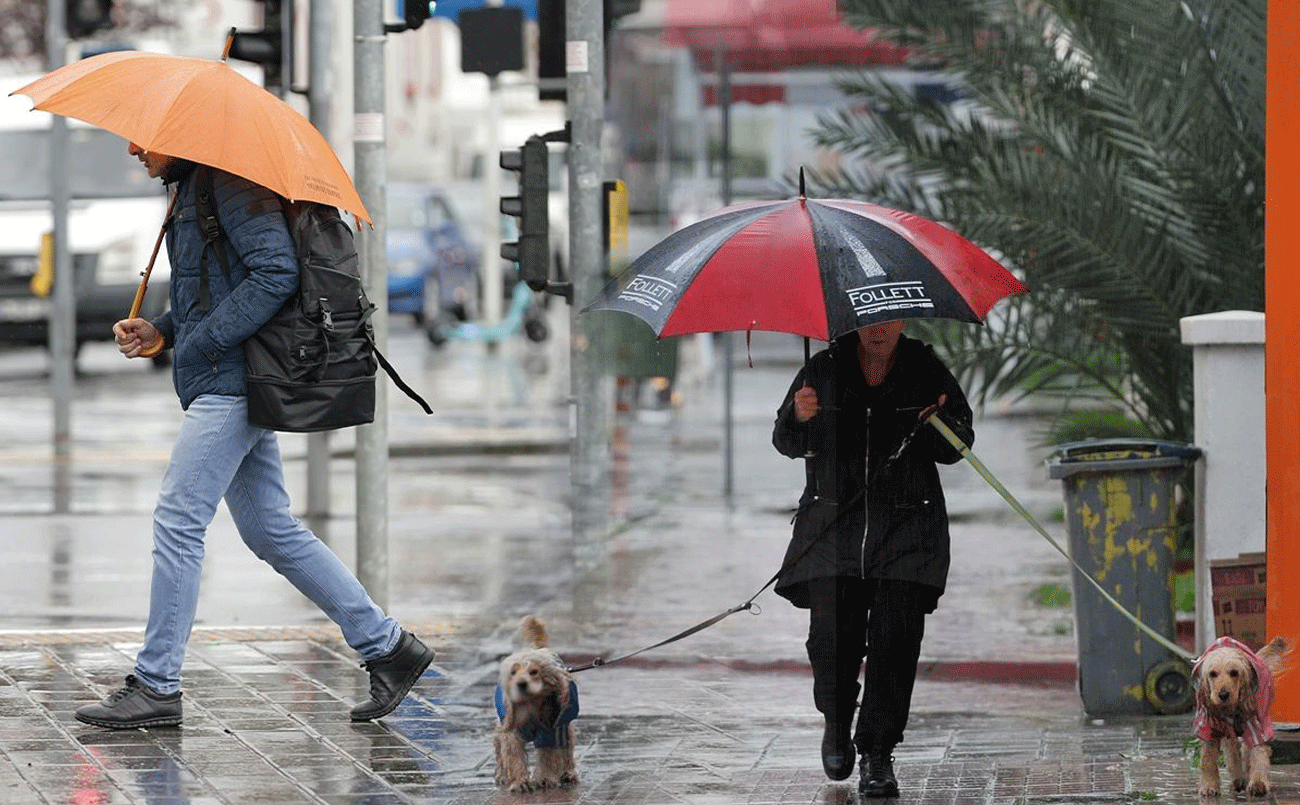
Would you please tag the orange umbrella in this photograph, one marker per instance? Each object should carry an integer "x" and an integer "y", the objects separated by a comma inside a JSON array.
[{"x": 200, "y": 110}]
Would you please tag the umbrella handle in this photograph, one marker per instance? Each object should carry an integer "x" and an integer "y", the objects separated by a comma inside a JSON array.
[
  {"x": 807, "y": 356},
  {"x": 138, "y": 302}
]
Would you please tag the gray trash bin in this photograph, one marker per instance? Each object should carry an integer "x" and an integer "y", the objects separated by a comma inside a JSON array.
[{"x": 1119, "y": 511}]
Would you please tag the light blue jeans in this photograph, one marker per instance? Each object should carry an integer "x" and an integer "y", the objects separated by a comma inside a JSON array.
[{"x": 218, "y": 454}]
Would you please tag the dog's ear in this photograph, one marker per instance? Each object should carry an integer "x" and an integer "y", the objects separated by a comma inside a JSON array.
[
  {"x": 508, "y": 717},
  {"x": 506, "y": 671},
  {"x": 562, "y": 691},
  {"x": 556, "y": 680},
  {"x": 1249, "y": 685},
  {"x": 1201, "y": 693}
]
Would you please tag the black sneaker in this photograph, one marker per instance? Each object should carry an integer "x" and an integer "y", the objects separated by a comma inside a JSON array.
[
  {"x": 877, "y": 779},
  {"x": 134, "y": 705},
  {"x": 838, "y": 753},
  {"x": 391, "y": 677}
]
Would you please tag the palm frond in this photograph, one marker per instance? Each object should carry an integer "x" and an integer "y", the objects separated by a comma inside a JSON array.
[{"x": 1110, "y": 151}]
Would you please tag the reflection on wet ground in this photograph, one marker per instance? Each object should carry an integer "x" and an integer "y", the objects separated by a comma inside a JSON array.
[{"x": 266, "y": 722}]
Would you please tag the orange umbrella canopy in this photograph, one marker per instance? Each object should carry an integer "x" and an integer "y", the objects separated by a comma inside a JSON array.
[{"x": 200, "y": 110}]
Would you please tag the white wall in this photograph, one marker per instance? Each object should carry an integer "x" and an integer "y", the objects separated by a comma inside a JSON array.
[{"x": 1228, "y": 356}]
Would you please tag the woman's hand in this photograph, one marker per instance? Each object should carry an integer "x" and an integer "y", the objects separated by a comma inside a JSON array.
[
  {"x": 805, "y": 403},
  {"x": 930, "y": 410}
]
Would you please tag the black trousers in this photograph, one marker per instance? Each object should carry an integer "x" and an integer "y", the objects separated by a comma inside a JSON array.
[{"x": 881, "y": 621}]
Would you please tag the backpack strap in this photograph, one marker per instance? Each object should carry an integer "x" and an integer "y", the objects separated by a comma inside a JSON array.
[
  {"x": 397, "y": 379},
  {"x": 205, "y": 208}
]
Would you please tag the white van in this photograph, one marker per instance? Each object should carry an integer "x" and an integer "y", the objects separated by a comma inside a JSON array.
[{"x": 113, "y": 222}]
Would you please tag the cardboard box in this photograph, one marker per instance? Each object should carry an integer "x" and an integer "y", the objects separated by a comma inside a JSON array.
[{"x": 1239, "y": 591}]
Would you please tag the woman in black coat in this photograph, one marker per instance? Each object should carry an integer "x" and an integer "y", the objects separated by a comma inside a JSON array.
[{"x": 868, "y": 567}]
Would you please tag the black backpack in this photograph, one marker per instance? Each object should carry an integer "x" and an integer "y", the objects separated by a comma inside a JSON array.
[{"x": 312, "y": 366}]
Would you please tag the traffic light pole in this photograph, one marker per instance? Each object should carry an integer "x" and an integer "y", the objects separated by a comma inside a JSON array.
[
  {"x": 319, "y": 86},
  {"x": 61, "y": 339},
  {"x": 591, "y": 402},
  {"x": 370, "y": 175},
  {"x": 490, "y": 260}
]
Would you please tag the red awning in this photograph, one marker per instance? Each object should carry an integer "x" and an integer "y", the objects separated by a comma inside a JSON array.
[{"x": 772, "y": 35}]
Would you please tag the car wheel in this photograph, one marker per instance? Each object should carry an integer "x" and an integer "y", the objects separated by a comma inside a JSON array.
[
  {"x": 536, "y": 329},
  {"x": 439, "y": 329}
]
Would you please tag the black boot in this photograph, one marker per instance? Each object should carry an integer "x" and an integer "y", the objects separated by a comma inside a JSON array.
[
  {"x": 877, "y": 779},
  {"x": 837, "y": 748},
  {"x": 391, "y": 677}
]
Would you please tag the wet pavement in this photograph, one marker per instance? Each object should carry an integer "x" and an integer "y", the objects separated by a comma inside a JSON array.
[{"x": 481, "y": 534}]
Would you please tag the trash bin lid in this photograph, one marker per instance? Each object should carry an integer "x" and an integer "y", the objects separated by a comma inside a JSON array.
[{"x": 1119, "y": 455}]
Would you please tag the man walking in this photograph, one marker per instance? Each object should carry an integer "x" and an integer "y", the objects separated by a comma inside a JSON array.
[{"x": 218, "y": 455}]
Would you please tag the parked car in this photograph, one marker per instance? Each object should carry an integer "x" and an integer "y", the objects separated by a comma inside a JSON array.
[
  {"x": 113, "y": 222},
  {"x": 432, "y": 263}
]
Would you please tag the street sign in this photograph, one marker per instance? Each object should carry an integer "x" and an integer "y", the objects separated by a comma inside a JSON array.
[
  {"x": 491, "y": 39},
  {"x": 451, "y": 9}
]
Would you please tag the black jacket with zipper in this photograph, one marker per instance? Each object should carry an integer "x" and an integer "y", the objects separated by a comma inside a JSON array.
[{"x": 899, "y": 529}]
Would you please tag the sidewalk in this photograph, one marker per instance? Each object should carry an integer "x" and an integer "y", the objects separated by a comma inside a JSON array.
[{"x": 480, "y": 536}]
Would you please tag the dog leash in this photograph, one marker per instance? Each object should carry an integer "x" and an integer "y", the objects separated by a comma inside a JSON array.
[
  {"x": 1015, "y": 504},
  {"x": 601, "y": 662}
]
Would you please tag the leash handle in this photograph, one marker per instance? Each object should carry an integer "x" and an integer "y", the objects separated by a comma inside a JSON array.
[{"x": 1015, "y": 504}]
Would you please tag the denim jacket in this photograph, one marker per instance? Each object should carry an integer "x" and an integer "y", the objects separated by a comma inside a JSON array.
[{"x": 207, "y": 345}]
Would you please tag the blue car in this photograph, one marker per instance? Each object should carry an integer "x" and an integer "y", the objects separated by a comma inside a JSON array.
[{"x": 432, "y": 265}]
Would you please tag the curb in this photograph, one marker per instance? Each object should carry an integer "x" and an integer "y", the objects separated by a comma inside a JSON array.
[{"x": 1031, "y": 672}]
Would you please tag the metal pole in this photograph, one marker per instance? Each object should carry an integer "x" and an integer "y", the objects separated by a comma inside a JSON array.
[
  {"x": 585, "y": 64},
  {"x": 490, "y": 261},
  {"x": 319, "y": 35},
  {"x": 369, "y": 149},
  {"x": 728, "y": 369},
  {"x": 63, "y": 305}
]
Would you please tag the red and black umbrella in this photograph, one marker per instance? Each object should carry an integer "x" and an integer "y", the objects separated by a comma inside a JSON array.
[{"x": 816, "y": 268}]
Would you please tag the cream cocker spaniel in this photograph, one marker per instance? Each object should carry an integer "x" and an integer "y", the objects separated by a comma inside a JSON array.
[
  {"x": 1234, "y": 690},
  {"x": 536, "y": 701}
]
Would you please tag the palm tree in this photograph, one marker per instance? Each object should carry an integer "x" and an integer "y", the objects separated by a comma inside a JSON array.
[{"x": 1111, "y": 151}]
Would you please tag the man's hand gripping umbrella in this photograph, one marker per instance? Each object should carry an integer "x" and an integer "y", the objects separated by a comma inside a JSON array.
[{"x": 137, "y": 338}]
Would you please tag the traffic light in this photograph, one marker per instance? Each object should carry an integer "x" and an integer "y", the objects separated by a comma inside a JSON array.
[
  {"x": 552, "y": 78},
  {"x": 615, "y": 9},
  {"x": 533, "y": 249},
  {"x": 85, "y": 17},
  {"x": 271, "y": 47},
  {"x": 414, "y": 13},
  {"x": 491, "y": 39}
]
